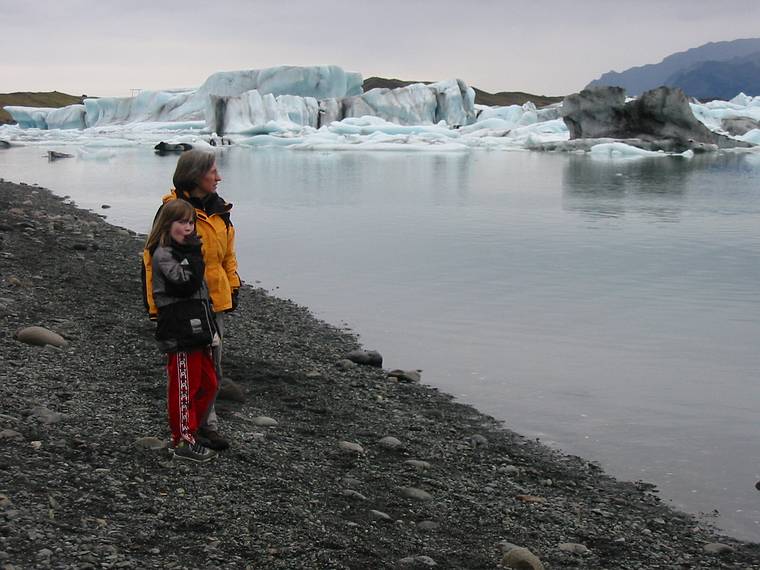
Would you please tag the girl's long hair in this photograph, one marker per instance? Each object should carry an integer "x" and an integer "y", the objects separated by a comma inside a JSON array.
[{"x": 170, "y": 212}]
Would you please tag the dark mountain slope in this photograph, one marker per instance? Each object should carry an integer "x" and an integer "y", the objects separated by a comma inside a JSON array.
[{"x": 636, "y": 80}]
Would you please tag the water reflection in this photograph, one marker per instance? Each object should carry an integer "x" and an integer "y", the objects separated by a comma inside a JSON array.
[
  {"x": 284, "y": 179},
  {"x": 450, "y": 173},
  {"x": 658, "y": 188},
  {"x": 634, "y": 343},
  {"x": 614, "y": 188}
]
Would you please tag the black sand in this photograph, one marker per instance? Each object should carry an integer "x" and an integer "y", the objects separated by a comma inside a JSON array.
[{"x": 78, "y": 490}]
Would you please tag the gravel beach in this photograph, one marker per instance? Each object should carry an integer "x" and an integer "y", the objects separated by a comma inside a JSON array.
[{"x": 333, "y": 465}]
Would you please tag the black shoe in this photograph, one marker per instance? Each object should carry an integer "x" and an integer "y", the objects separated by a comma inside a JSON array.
[
  {"x": 193, "y": 452},
  {"x": 210, "y": 438}
]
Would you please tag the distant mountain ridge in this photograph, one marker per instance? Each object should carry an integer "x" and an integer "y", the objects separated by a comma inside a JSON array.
[
  {"x": 720, "y": 79},
  {"x": 500, "y": 99},
  {"x": 691, "y": 67}
]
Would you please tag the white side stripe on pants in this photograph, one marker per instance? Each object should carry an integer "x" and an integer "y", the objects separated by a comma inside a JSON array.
[{"x": 183, "y": 381}]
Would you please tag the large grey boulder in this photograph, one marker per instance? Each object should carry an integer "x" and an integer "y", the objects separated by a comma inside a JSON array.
[{"x": 661, "y": 115}]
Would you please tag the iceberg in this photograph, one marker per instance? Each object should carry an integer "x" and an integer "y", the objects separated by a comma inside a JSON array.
[
  {"x": 324, "y": 108},
  {"x": 421, "y": 141},
  {"x": 252, "y": 113},
  {"x": 368, "y": 125},
  {"x": 247, "y": 102},
  {"x": 451, "y": 102},
  {"x": 621, "y": 150},
  {"x": 71, "y": 117},
  {"x": 147, "y": 106},
  {"x": 510, "y": 115},
  {"x": 455, "y": 102},
  {"x": 418, "y": 104},
  {"x": 318, "y": 82},
  {"x": 330, "y": 110},
  {"x": 414, "y": 104},
  {"x": 742, "y": 100},
  {"x": 521, "y": 115},
  {"x": 719, "y": 116},
  {"x": 752, "y": 136},
  {"x": 29, "y": 117}
]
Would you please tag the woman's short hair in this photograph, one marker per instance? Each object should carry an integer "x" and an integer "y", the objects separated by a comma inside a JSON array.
[{"x": 191, "y": 167}]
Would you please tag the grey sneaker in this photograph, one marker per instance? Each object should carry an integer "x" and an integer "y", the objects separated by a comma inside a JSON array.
[{"x": 193, "y": 452}]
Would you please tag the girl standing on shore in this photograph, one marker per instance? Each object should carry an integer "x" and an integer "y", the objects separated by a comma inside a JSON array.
[
  {"x": 195, "y": 179},
  {"x": 186, "y": 329}
]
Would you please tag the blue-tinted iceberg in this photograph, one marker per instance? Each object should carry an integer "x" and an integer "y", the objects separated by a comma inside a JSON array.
[
  {"x": 324, "y": 108},
  {"x": 326, "y": 81},
  {"x": 320, "y": 82},
  {"x": 71, "y": 117},
  {"x": 29, "y": 117},
  {"x": 147, "y": 106},
  {"x": 735, "y": 117},
  {"x": 419, "y": 104},
  {"x": 252, "y": 112},
  {"x": 520, "y": 115}
]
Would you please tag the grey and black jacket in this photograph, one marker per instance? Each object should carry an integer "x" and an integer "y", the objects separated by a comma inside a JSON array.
[{"x": 185, "y": 321}]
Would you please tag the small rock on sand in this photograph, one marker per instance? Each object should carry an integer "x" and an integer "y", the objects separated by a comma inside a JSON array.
[
  {"x": 39, "y": 336},
  {"x": 366, "y": 357},
  {"x": 231, "y": 391},
  {"x": 390, "y": 442},
  {"x": 416, "y": 494},
  {"x": 350, "y": 447},
  {"x": 522, "y": 559},
  {"x": 264, "y": 421}
]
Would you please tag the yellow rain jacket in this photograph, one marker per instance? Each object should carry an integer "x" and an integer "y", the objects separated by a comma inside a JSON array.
[{"x": 218, "y": 236}]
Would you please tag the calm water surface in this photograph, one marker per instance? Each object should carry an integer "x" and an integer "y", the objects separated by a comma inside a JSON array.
[{"x": 609, "y": 308}]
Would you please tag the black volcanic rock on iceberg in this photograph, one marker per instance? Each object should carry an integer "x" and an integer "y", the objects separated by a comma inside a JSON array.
[
  {"x": 659, "y": 115},
  {"x": 595, "y": 112}
]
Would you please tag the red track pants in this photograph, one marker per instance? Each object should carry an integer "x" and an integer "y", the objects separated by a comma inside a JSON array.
[{"x": 191, "y": 390}]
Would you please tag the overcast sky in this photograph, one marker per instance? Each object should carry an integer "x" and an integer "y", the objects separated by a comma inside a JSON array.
[{"x": 552, "y": 47}]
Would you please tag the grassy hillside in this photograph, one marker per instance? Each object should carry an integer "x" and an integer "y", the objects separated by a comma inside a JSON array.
[
  {"x": 28, "y": 99},
  {"x": 481, "y": 97}
]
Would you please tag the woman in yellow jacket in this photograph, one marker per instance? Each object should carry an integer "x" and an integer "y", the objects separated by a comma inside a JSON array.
[{"x": 195, "y": 180}]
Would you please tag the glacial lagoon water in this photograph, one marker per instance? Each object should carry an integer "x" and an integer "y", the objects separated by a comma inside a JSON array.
[{"x": 609, "y": 308}]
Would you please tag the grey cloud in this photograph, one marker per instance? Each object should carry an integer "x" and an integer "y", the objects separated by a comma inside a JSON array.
[{"x": 547, "y": 46}]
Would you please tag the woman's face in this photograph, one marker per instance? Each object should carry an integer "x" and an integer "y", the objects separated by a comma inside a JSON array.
[
  {"x": 207, "y": 183},
  {"x": 180, "y": 229}
]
